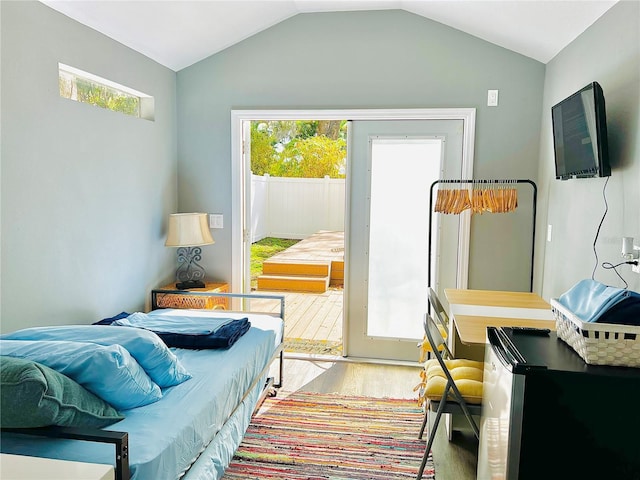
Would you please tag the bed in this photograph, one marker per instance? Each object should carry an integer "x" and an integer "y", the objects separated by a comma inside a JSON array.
[{"x": 191, "y": 432}]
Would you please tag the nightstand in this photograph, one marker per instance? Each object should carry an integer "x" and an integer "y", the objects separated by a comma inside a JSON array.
[
  {"x": 21, "y": 467},
  {"x": 184, "y": 300}
]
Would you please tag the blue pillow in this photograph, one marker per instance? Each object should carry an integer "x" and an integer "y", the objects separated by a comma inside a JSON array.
[
  {"x": 109, "y": 372},
  {"x": 146, "y": 347},
  {"x": 34, "y": 395}
]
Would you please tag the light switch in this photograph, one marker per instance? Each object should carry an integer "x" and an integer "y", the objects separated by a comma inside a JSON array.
[
  {"x": 215, "y": 220},
  {"x": 492, "y": 98}
]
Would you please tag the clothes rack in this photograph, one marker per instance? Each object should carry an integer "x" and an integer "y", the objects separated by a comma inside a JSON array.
[{"x": 485, "y": 183}]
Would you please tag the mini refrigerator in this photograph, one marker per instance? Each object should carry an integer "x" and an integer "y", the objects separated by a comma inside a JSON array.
[{"x": 546, "y": 414}]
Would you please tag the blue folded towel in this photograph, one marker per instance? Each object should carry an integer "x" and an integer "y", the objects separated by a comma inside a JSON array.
[{"x": 589, "y": 299}]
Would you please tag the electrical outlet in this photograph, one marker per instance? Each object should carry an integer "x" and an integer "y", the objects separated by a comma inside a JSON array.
[{"x": 636, "y": 268}]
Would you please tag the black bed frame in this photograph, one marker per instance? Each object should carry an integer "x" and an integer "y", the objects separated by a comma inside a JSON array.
[{"x": 120, "y": 440}]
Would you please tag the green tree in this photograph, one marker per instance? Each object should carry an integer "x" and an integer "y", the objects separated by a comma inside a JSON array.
[
  {"x": 302, "y": 148},
  {"x": 330, "y": 128},
  {"x": 263, "y": 154},
  {"x": 89, "y": 92},
  {"x": 307, "y": 128},
  {"x": 312, "y": 157}
]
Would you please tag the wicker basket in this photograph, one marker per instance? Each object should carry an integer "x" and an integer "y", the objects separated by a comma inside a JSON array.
[
  {"x": 598, "y": 343},
  {"x": 174, "y": 300},
  {"x": 185, "y": 300}
]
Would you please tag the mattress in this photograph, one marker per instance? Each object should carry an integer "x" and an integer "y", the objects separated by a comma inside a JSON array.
[{"x": 166, "y": 437}]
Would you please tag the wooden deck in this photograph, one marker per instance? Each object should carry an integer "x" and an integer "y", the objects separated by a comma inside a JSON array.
[
  {"x": 321, "y": 246},
  {"x": 311, "y": 265},
  {"x": 313, "y": 322}
]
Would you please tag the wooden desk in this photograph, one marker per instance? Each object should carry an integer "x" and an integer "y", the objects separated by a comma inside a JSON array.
[
  {"x": 495, "y": 298},
  {"x": 472, "y": 311},
  {"x": 472, "y": 330}
]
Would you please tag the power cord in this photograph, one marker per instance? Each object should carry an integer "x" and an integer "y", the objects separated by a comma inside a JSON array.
[
  {"x": 609, "y": 266},
  {"x": 595, "y": 240}
]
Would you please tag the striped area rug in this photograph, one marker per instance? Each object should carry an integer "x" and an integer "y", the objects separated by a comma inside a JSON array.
[{"x": 311, "y": 436}]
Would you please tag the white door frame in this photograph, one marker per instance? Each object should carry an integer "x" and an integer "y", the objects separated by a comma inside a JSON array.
[{"x": 238, "y": 227}]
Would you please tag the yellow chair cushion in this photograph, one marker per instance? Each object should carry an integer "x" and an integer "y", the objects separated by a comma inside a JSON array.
[
  {"x": 467, "y": 374},
  {"x": 425, "y": 346}
]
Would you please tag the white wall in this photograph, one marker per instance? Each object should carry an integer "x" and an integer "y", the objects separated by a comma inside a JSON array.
[
  {"x": 85, "y": 191},
  {"x": 295, "y": 207},
  {"x": 609, "y": 53}
]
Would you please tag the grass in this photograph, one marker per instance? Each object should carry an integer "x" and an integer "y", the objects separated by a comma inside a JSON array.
[{"x": 262, "y": 250}]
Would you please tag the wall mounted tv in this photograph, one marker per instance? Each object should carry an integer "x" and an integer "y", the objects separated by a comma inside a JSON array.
[{"x": 580, "y": 135}]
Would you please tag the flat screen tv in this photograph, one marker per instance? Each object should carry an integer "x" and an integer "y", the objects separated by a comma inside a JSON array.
[{"x": 580, "y": 135}]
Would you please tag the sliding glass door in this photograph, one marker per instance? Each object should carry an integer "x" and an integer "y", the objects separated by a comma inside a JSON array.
[
  {"x": 396, "y": 163},
  {"x": 392, "y": 157}
]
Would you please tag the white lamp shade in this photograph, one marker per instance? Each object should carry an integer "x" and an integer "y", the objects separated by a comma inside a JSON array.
[{"x": 188, "y": 230}]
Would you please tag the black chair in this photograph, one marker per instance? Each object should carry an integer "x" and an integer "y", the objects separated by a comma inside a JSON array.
[
  {"x": 439, "y": 313},
  {"x": 442, "y": 392},
  {"x": 443, "y": 321}
]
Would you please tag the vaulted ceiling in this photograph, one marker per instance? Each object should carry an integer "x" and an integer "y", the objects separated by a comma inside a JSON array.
[{"x": 179, "y": 33}]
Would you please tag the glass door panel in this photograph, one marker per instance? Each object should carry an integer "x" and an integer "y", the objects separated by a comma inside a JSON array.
[
  {"x": 392, "y": 166},
  {"x": 397, "y": 294}
]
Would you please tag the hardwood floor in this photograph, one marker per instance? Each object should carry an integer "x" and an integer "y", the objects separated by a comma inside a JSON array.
[{"x": 455, "y": 460}]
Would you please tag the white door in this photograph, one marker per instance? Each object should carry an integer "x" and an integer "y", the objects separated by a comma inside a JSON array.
[{"x": 392, "y": 166}]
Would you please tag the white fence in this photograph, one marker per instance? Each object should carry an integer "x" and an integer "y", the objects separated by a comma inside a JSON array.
[{"x": 295, "y": 207}]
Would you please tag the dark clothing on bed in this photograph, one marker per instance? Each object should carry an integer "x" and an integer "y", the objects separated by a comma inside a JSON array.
[
  {"x": 224, "y": 337},
  {"x": 221, "y": 337}
]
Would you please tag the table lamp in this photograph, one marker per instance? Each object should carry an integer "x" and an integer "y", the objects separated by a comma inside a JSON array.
[{"x": 188, "y": 232}]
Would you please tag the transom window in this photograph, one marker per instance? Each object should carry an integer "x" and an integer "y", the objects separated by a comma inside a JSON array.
[{"x": 86, "y": 87}]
